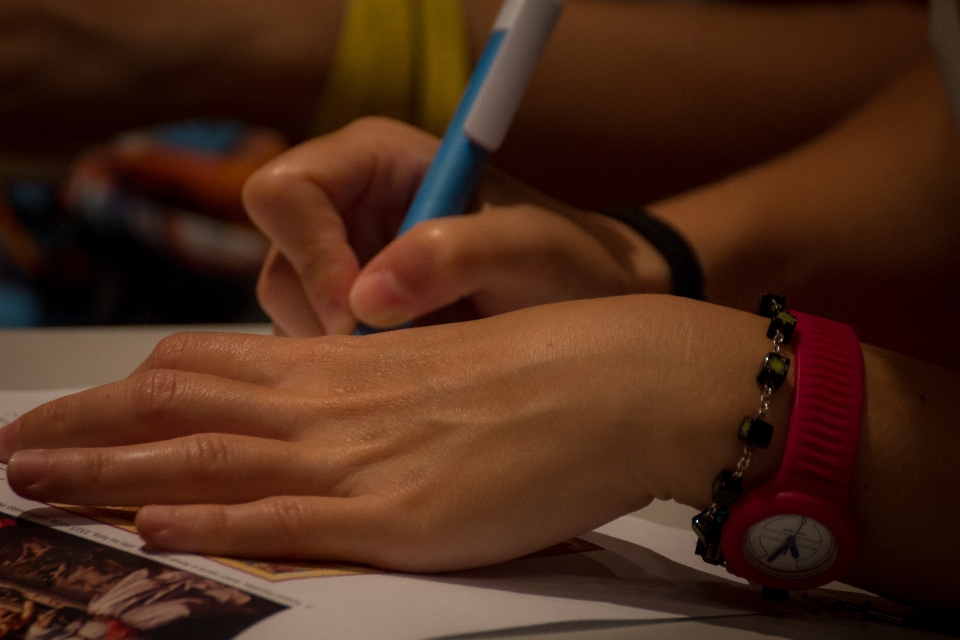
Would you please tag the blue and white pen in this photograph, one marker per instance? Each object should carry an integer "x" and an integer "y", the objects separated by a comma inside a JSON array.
[{"x": 485, "y": 112}]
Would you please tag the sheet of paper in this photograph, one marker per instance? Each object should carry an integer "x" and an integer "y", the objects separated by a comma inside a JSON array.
[{"x": 89, "y": 565}]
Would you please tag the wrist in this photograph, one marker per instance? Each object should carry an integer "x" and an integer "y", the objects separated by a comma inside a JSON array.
[
  {"x": 740, "y": 396},
  {"x": 718, "y": 223},
  {"x": 733, "y": 394},
  {"x": 797, "y": 530},
  {"x": 683, "y": 266},
  {"x": 690, "y": 437},
  {"x": 646, "y": 270}
]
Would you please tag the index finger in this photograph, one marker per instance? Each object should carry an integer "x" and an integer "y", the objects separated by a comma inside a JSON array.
[
  {"x": 155, "y": 405},
  {"x": 333, "y": 202}
]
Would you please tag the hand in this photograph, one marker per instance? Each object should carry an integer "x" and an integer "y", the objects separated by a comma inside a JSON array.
[
  {"x": 423, "y": 449},
  {"x": 332, "y": 206}
]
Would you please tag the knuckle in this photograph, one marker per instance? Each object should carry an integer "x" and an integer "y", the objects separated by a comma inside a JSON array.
[
  {"x": 91, "y": 469},
  {"x": 291, "y": 517},
  {"x": 435, "y": 239},
  {"x": 433, "y": 234},
  {"x": 206, "y": 456},
  {"x": 54, "y": 416},
  {"x": 169, "y": 352},
  {"x": 267, "y": 183},
  {"x": 156, "y": 392}
]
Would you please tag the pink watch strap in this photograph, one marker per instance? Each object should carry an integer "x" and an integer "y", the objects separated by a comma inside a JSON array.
[{"x": 824, "y": 430}]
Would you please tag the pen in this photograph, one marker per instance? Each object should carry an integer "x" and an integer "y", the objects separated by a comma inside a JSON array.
[{"x": 489, "y": 102}]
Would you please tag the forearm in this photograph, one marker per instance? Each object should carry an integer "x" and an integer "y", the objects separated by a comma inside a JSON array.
[
  {"x": 906, "y": 495},
  {"x": 860, "y": 225},
  {"x": 637, "y": 100}
]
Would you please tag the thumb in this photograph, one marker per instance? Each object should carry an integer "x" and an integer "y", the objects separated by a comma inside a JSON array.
[
  {"x": 415, "y": 274},
  {"x": 504, "y": 258}
]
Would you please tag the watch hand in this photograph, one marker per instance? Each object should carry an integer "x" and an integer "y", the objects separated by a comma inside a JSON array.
[
  {"x": 803, "y": 523},
  {"x": 791, "y": 541}
]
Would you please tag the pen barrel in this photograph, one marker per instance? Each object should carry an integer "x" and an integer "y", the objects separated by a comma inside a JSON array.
[
  {"x": 486, "y": 109},
  {"x": 456, "y": 169},
  {"x": 526, "y": 26},
  {"x": 447, "y": 192}
]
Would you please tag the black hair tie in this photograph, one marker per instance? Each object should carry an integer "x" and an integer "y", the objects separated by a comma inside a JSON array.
[{"x": 685, "y": 272}]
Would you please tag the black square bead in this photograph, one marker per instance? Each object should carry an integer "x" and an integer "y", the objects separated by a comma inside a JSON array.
[
  {"x": 774, "y": 370},
  {"x": 771, "y": 303},
  {"x": 784, "y": 322},
  {"x": 706, "y": 527},
  {"x": 726, "y": 489},
  {"x": 756, "y": 432},
  {"x": 711, "y": 553}
]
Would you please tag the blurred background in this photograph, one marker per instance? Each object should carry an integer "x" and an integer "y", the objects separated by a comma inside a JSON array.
[
  {"x": 127, "y": 129},
  {"x": 145, "y": 229},
  {"x": 126, "y": 133}
]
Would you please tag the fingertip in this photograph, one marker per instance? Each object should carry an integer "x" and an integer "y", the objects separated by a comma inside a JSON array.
[
  {"x": 339, "y": 323},
  {"x": 191, "y": 528},
  {"x": 379, "y": 298},
  {"x": 283, "y": 299},
  {"x": 27, "y": 471},
  {"x": 336, "y": 322},
  {"x": 9, "y": 437},
  {"x": 156, "y": 524}
]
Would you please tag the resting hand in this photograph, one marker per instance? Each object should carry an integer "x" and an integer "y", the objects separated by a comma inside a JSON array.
[
  {"x": 423, "y": 449},
  {"x": 332, "y": 206}
]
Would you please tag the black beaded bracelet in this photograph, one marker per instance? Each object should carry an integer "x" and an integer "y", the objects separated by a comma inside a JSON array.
[
  {"x": 685, "y": 271},
  {"x": 754, "y": 432}
]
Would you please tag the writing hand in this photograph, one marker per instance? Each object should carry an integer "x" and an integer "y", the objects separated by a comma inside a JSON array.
[{"x": 333, "y": 205}]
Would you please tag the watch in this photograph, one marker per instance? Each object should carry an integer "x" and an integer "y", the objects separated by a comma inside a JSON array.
[{"x": 797, "y": 531}]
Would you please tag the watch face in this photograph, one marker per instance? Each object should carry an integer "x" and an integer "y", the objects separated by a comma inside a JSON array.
[{"x": 789, "y": 546}]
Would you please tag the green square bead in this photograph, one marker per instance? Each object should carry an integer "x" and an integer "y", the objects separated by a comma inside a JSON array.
[
  {"x": 774, "y": 370},
  {"x": 784, "y": 322},
  {"x": 756, "y": 432}
]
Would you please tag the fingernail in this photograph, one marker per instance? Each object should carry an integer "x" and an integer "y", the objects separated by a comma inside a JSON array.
[
  {"x": 9, "y": 435},
  {"x": 381, "y": 299},
  {"x": 27, "y": 469}
]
